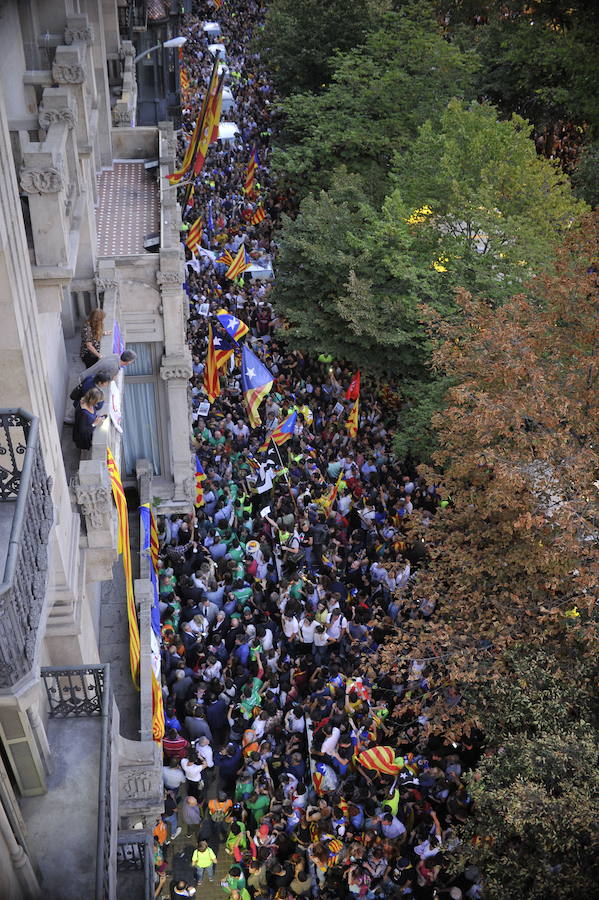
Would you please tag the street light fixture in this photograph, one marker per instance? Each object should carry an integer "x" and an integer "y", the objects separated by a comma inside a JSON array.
[{"x": 172, "y": 42}]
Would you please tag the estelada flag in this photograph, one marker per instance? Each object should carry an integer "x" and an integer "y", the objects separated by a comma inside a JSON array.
[
  {"x": 234, "y": 327},
  {"x": 281, "y": 433},
  {"x": 224, "y": 348},
  {"x": 353, "y": 391},
  {"x": 352, "y": 419},
  {"x": 199, "y": 478},
  {"x": 380, "y": 759},
  {"x": 211, "y": 380},
  {"x": 256, "y": 382}
]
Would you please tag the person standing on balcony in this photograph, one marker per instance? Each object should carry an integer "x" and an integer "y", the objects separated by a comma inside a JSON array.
[
  {"x": 92, "y": 332},
  {"x": 86, "y": 419},
  {"x": 111, "y": 364}
]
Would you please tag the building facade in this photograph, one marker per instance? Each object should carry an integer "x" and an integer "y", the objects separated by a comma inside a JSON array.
[{"x": 86, "y": 220}]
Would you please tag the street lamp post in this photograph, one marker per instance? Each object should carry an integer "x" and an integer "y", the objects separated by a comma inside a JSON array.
[
  {"x": 172, "y": 42},
  {"x": 159, "y": 89}
]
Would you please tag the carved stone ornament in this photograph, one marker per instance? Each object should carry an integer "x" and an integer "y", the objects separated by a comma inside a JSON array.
[
  {"x": 67, "y": 114},
  {"x": 173, "y": 371},
  {"x": 95, "y": 503},
  {"x": 67, "y": 74},
  {"x": 189, "y": 489},
  {"x": 78, "y": 34},
  {"x": 122, "y": 116},
  {"x": 106, "y": 284},
  {"x": 135, "y": 784},
  {"x": 169, "y": 277},
  {"x": 41, "y": 181},
  {"x": 127, "y": 49}
]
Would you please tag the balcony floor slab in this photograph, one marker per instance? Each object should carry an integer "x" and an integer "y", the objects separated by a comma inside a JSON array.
[{"x": 63, "y": 824}]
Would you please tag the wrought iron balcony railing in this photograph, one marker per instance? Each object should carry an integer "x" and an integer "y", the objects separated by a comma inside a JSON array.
[
  {"x": 75, "y": 692},
  {"x": 27, "y": 513},
  {"x": 135, "y": 854}
]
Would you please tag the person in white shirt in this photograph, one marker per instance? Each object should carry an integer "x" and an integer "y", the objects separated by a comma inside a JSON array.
[
  {"x": 337, "y": 625},
  {"x": 329, "y": 745},
  {"x": 290, "y": 627},
  {"x": 306, "y": 630},
  {"x": 295, "y": 721}
]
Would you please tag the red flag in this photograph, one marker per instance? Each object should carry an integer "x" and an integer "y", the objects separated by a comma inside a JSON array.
[{"x": 353, "y": 391}]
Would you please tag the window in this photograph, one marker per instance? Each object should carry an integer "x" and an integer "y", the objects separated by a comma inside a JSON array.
[{"x": 142, "y": 435}]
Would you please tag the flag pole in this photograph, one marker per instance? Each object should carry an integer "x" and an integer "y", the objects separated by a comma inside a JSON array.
[{"x": 285, "y": 473}]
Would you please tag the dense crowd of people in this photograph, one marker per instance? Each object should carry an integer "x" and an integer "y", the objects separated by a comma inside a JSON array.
[{"x": 290, "y": 750}]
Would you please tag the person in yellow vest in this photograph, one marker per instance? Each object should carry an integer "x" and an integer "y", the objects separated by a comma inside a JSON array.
[{"x": 203, "y": 860}]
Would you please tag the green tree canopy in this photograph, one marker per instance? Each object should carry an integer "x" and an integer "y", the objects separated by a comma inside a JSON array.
[
  {"x": 380, "y": 94},
  {"x": 541, "y": 60},
  {"x": 533, "y": 831},
  {"x": 491, "y": 210},
  {"x": 350, "y": 280},
  {"x": 300, "y": 37}
]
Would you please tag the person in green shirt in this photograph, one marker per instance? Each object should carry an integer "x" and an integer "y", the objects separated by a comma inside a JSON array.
[
  {"x": 242, "y": 594},
  {"x": 203, "y": 860},
  {"x": 258, "y": 805},
  {"x": 234, "y": 880},
  {"x": 237, "y": 838}
]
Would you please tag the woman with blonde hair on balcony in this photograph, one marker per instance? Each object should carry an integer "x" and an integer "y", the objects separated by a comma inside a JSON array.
[
  {"x": 92, "y": 332},
  {"x": 87, "y": 418}
]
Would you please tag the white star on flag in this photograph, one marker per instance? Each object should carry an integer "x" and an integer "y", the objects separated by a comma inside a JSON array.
[
  {"x": 217, "y": 342},
  {"x": 250, "y": 373},
  {"x": 233, "y": 322}
]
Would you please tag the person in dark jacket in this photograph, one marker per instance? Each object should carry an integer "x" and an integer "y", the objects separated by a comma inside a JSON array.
[{"x": 86, "y": 419}]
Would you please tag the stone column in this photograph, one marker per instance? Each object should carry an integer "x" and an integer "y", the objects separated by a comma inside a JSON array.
[
  {"x": 94, "y": 496},
  {"x": 176, "y": 372},
  {"x": 21, "y": 863},
  {"x": 42, "y": 179}
]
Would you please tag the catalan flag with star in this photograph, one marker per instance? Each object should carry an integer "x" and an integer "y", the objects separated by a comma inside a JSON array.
[
  {"x": 256, "y": 382},
  {"x": 200, "y": 477},
  {"x": 234, "y": 327},
  {"x": 224, "y": 348},
  {"x": 281, "y": 432},
  {"x": 239, "y": 264},
  {"x": 194, "y": 235}
]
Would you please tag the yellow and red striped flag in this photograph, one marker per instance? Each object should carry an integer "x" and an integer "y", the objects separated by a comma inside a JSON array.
[
  {"x": 380, "y": 759},
  {"x": 157, "y": 710},
  {"x": 250, "y": 177},
  {"x": 352, "y": 419},
  {"x": 194, "y": 235},
  {"x": 209, "y": 130},
  {"x": 239, "y": 264},
  {"x": 226, "y": 259},
  {"x": 154, "y": 545},
  {"x": 124, "y": 548},
  {"x": 258, "y": 216},
  {"x": 179, "y": 175},
  {"x": 211, "y": 379}
]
